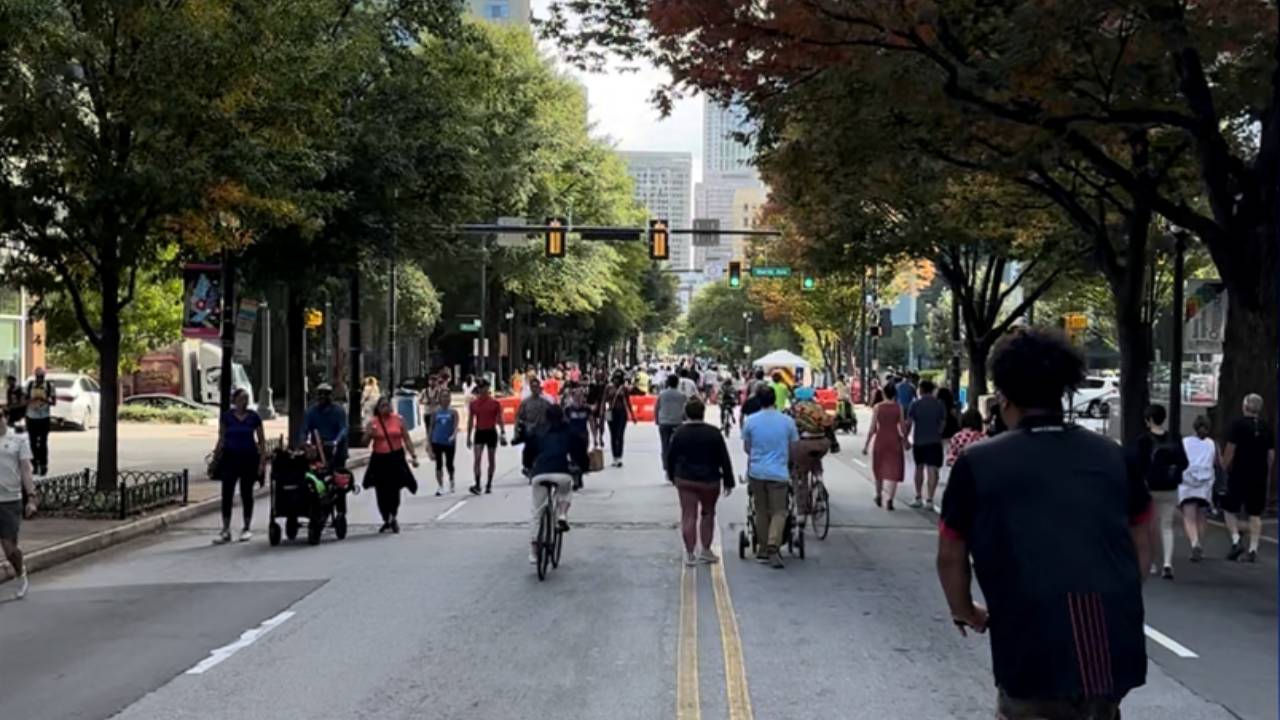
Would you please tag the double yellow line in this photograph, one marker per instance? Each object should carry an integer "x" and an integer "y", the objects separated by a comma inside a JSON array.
[{"x": 738, "y": 696}]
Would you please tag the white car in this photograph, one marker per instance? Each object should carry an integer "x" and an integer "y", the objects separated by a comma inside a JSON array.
[
  {"x": 78, "y": 399},
  {"x": 1093, "y": 396}
]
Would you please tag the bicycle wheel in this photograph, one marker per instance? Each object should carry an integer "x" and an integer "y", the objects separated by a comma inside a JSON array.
[
  {"x": 545, "y": 529},
  {"x": 558, "y": 545},
  {"x": 821, "y": 505}
]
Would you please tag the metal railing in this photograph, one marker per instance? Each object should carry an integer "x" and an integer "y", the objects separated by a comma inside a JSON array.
[{"x": 136, "y": 491}]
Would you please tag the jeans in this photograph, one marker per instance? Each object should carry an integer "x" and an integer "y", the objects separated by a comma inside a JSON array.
[
  {"x": 695, "y": 496},
  {"x": 38, "y": 431},
  {"x": 238, "y": 468},
  {"x": 770, "y": 498},
  {"x": 617, "y": 428},
  {"x": 664, "y": 434},
  {"x": 564, "y": 493}
]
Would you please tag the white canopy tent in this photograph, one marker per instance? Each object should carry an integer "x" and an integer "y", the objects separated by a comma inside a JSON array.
[{"x": 781, "y": 358}]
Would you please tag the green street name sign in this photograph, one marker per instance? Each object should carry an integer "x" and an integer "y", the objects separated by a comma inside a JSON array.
[
  {"x": 472, "y": 326},
  {"x": 770, "y": 271}
]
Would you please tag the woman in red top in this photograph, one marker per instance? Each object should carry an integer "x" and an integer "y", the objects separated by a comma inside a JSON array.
[
  {"x": 388, "y": 473},
  {"x": 886, "y": 431},
  {"x": 970, "y": 433}
]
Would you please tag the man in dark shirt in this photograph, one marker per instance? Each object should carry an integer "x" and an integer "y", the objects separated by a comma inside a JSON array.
[
  {"x": 329, "y": 421},
  {"x": 927, "y": 416},
  {"x": 1250, "y": 458},
  {"x": 1056, "y": 528}
]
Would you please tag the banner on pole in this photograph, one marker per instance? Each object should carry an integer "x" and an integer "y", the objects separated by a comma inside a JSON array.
[
  {"x": 201, "y": 301},
  {"x": 246, "y": 321}
]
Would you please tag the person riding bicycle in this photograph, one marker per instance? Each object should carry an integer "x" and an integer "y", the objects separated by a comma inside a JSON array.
[
  {"x": 554, "y": 451},
  {"x": 817, "y": 436},
  {"x": 728, "y": 401}
]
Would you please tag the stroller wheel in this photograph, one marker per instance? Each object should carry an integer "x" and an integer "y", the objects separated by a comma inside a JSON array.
[
  {"x": 273, "y": 533},
  {"x": 743, "y": 543},
  {"x": 291, "y": 528}
]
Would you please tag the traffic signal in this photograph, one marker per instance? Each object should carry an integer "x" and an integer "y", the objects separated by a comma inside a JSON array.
[
  {"x": 735, "y": 274},
  {"x": 874, "y": 331},
  {"x": 1075, "y": 324},
  {"x": 659, "y": 240},
  {"x": 556, "y": 231},
  {"x": 808, "y": 282}
]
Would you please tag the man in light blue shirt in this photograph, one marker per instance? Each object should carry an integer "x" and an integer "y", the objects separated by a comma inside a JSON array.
[{"x": 767, "y": 437}]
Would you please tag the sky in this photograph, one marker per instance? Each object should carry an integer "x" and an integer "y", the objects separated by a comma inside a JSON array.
[{"x": 621, "y": 110}]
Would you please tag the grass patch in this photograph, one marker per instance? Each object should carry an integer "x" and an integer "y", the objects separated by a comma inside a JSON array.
[{"x": 168, "y": 416}]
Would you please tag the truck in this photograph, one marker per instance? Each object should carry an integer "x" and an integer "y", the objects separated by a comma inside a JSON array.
[{"x": 191, "y": 369}]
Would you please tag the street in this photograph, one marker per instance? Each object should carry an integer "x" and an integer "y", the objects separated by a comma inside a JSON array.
[{"x": 448, "y": 619}]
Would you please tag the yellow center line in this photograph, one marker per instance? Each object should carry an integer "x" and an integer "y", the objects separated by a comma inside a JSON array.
[
  {"x": 735, "y": 671},
  {"x": 688, "y": 704}
]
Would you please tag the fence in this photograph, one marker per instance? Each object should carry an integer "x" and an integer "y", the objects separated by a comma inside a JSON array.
[{"x": 135, "y": 492}]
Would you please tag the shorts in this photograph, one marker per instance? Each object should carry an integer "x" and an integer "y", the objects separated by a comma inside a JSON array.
[
  {"x": 1247, "y": 495},
  {"x": 928, "y": 455},
  {"x": 486, "y": 438},
  {"x": 10, "y": 520},
  {"x": 1196, "y": 501}
]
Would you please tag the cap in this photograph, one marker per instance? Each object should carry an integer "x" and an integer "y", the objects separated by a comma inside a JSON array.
[{"x": 324, "y": 387}]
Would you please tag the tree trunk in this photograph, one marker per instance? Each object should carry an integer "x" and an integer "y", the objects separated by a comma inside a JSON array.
[
  {"x": 295, "y": 322},
  {"x": 1249, "y": 359},
  {"x": 1134, "y": 340},
  {"x": 109, "y": 380},
  {"x": 978, "y": 353}
]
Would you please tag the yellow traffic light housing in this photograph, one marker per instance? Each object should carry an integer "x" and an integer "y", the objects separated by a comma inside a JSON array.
[
  {"x": 659, "y": 240},
  {"x": 556, "y": 236}
]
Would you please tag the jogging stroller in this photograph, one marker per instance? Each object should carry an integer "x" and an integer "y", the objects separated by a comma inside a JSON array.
[
  {"x": 846, "y": 418},
  {"x": 791, "y": 533},
  {"x": 306, "y": 487}
]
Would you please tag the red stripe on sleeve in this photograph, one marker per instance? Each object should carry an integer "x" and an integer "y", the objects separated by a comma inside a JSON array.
[{"x": 948, "y": 532}]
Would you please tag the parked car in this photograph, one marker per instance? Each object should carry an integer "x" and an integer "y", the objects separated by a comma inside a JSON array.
[
  {"x": 1094, "y": 397},
  {"x": 168, "y": 401},
  {"x": 78, "y": 400}
]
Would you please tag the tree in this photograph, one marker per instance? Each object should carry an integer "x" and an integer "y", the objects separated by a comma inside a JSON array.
[{"x": 715, "y": 325}]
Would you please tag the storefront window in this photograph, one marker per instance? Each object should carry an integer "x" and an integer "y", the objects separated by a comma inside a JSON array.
[
  {"x": 10, "y": 348},
  {"x": 10, "y": 301}
]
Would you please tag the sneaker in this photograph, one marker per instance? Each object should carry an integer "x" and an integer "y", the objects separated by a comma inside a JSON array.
[
  {"x": 488, "y": 489},
  {"x": 533, "y": 557},
  {"x": 23, "y": 586},
  {"x": 386, "y": 526},
  {"x": 1252, "y": 556},
  {"x": 930, "y": 507},
  {"x": 762, "y": 558},
  {"x": 474, "y": 489},
  {"x": 246, "y": 535},
  {"x": 690, "y": 560},
  {"x": 1167, "y": 573},
  {"x": 562, "y": 525},
  {"x": 889, "y": 506},
  {"x": 878, "y": 501},
  {"x": 1236, "y": 551},
  {"x": 775, "y": 561},
  {"x": 223, "y": 538},
  {"x": 439, "y": 492},
  {"x": 1197, "y": 553},
  {"x": 917, "y": 503},
  {"x": 395, "y": 527},
  {"x": 707, "y": 557}
]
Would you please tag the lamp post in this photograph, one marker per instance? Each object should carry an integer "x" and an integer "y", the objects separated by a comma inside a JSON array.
[
  {"x": 746, "y": 335},
  {"x": 511, "y": 344}
]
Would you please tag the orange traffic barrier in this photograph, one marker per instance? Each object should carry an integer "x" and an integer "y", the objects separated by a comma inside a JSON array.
[
  {"x": 643, "y": 406},
  {"x": 826, "y": 397}
]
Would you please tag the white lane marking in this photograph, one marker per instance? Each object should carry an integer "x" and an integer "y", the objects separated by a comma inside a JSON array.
[
  {"x": 456, "y": 507},
  {"x": 859, "y": 463},
  {"x": 1169, "y": 643},
  {"x": 246, "y": 639}
]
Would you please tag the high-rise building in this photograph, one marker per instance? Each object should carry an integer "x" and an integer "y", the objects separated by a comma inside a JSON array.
[
  {"x": 729, "y": 183},
  {"x": 516, "y": 12},
  {"x": 663, "y": 181},
  {"x": 722, "y": 152}
]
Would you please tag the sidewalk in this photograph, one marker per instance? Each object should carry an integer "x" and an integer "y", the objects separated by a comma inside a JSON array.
[{"x": 46, "y": 542}]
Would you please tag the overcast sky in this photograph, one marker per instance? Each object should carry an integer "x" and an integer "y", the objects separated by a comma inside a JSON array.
[{"x": 620, "y": 109}]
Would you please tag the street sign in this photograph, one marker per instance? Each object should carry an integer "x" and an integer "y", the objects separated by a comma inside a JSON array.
[
  {"x": 770, "y": 271},
  {"x": 512, "y": 239},
  {"x": 706, "y": 239},
  {"x": 313, "y": 319},
  {"x": 469, "y": 326}
]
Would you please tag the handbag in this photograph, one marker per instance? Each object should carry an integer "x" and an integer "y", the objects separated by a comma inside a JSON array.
[{"x": 213, "y": 464}]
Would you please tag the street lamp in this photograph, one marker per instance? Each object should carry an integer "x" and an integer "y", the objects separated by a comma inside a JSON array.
[
  {"x": 746, "y": 336},
  {"x": 511, "y": 343}
]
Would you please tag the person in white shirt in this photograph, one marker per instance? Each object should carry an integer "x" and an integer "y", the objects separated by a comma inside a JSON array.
[
  {"x": 1195, "y": 492},
  {"x": 687, "y": 386},
  {"x": 15, "y": 479}
]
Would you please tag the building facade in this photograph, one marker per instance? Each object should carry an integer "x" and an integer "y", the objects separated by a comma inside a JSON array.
[
  {"x": 731, "y": 191},
  {"x": 516, "y": 12},
  {"x": 722, "y": 152},
  {"x": 22, "y": 339}
]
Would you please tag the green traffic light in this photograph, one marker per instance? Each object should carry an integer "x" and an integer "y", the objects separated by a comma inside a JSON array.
[
  {"x": 735, "y": 282},
  {"x": 809, "y": 282}
]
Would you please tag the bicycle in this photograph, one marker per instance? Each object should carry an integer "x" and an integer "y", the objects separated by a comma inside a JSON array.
[
  {"x": 550, "y": 536},
  {"x": 726, "y": 418},
  {"x": 819, "y": 506}
]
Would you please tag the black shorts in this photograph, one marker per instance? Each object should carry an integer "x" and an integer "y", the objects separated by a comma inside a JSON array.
[
  {"x": 10, "y": 520},
  {"x": 928, "y": 455},
  {"x": 486, "y": 438},
  {"x": 1249, "y": 496}
]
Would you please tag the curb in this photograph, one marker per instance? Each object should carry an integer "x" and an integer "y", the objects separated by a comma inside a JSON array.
[{"x": 77, "y": 547}]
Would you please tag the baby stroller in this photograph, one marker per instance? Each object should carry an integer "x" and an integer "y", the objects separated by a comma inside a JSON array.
[
  {"x": 846, "y": 419},
  {"x": 791, "y": 534},
  {"x": 305, "y": 486}
]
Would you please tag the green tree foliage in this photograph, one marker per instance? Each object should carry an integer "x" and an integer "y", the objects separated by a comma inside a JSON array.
[{"x": 715, "y": 325}]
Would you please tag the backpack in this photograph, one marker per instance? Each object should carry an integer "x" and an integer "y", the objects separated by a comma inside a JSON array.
[{"x": 1163, "y": 472}]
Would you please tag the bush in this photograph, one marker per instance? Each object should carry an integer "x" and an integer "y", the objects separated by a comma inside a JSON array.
[{"x": 174, "y": 416}]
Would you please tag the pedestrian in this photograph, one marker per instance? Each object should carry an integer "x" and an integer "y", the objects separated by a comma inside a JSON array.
[
  {"x": 927, "y": 416},
  {"x": 781, "y": 392},
  {"x": 1195, "y": 493},
  {"x": 1249, "y": 458},
  {"x": 1158, "y": 460},
  {"x": 552, "y": 449},
  {"x": 889, "y": 443},
  {"x": 40, "y": 398},
  {"x": 686, "y": 383},
  {"x": 485, "y": 429},
  {"x": 618, "y": 402},
  {"x": 388, "y": 472},
  {"x": 468, "y": 385},
  {"x": 595, "y": 399},
  {"x": 241, "y": 459},
  {"x": 577, "y": 415},
  {"x": 697, "y": 463},
  {"x": 15, "y": 403},
  {"x": 15, "y": 482},
  {"x": 669, "y": 410},
  {"x": 948, "y": 401},
  {"x": 531, "y": 418},
  {"x": 442, "y": 434},
  {"x": 327, "y": 421},
  {"x": 551, "y": 387},
  {"x": 1066, "y": 612},
  {"x": 767, "y": 437},
  {"x": 970, "y": 432},
  {"x": 369, "y": 395}
]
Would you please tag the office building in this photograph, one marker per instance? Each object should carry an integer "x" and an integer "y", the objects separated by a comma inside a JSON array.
[
  {"x": 21, "y": 337},
  {"x": 662, "y": 184},
  {"x": 516, "y": 12},
  {"x": 731, "y": 191},
  {"x": 722, "y": 152}
]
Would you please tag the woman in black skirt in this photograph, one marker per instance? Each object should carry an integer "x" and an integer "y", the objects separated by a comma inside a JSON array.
[{"x": 388, "y": 473}]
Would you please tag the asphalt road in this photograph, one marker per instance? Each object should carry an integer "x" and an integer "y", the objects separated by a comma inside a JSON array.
[{"x": 448, "y": 620}]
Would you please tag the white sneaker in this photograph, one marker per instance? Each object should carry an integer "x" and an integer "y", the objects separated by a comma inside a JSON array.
[
  {"x": 690, "y": 560},
  {"x": 245, "y": 536},
  {"x": 439, "y": 492},
  {"x": 223, "y": 538},
  {"x": 930, "y": 507},
  {"x": 533, "y": 558},
  {"x": 23, "y": 586},
  {"x": 708, "y": 557}
]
